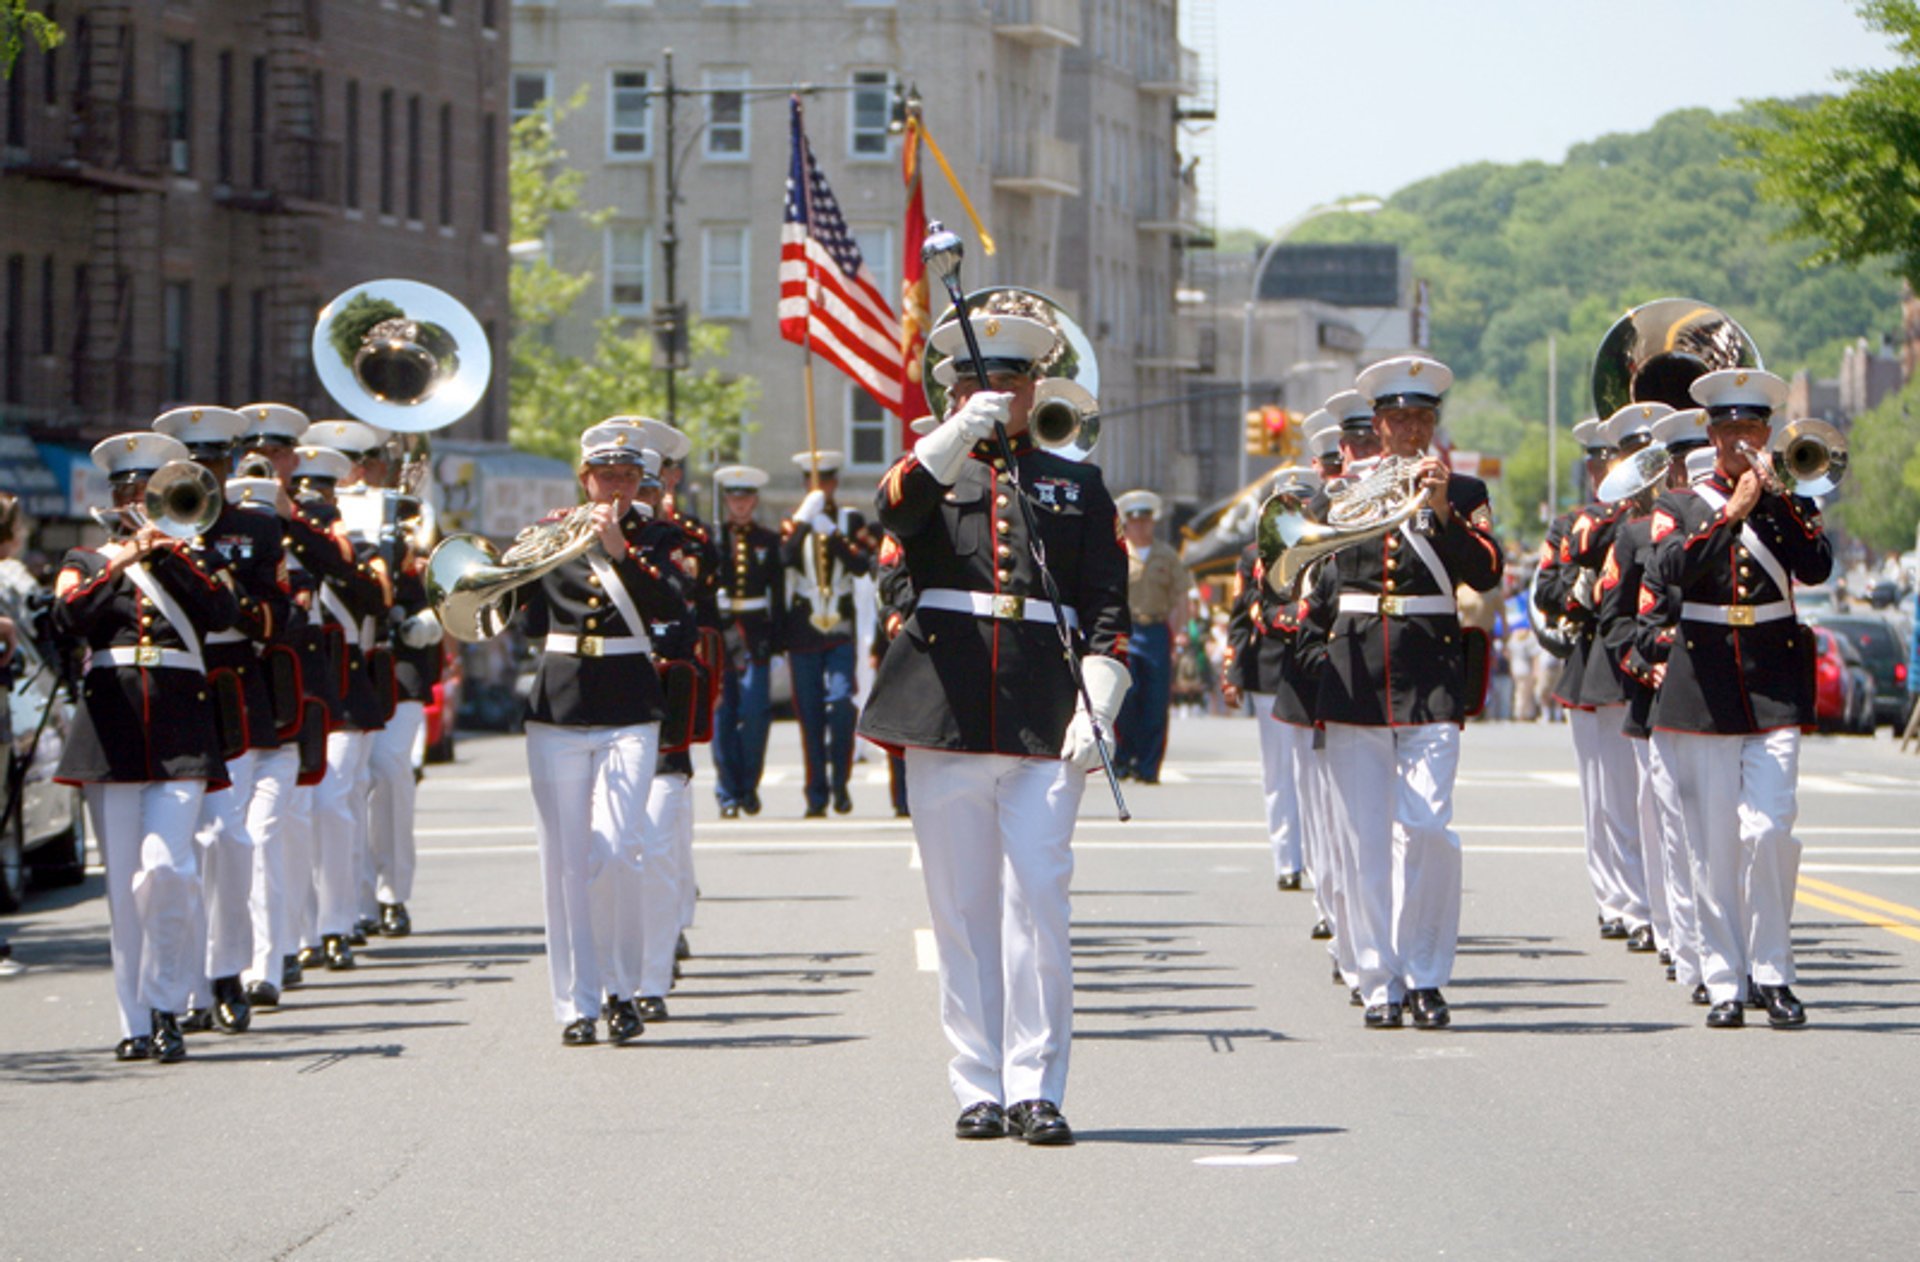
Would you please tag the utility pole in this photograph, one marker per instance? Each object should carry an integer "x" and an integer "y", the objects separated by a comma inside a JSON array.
[
  {"x": 1553, "y": 428},
  {"x": 668, "y": 322}
]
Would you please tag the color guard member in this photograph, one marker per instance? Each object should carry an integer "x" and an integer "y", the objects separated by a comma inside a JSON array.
[
  {"x": 820, "y": 547},
  {"x": 753, "y": 592},
  {"x": 1157, "y": 599}
]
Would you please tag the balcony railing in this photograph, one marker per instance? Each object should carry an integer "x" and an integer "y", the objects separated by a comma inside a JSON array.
[
  {"x": 1174, "y": 211},
  {"x": 1043, "y": 23},
  {"x": 109, "y": 143},
  {"x": 1036, "y": 163},
  {"x": 1176, "y": 76}
]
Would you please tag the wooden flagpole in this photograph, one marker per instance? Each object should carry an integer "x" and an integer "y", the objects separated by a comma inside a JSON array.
[{"x": 806, "y": 252}]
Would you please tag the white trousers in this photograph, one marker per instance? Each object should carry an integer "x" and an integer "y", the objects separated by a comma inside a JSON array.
[
  {"x": 1610, "y": 802},
  {"x": 153, "y": 878},
  {"x": 1324, "y": 853},
  {"x": 274, "y": 773},
  {"x": 996, "y": 845},
  {"x": 302, "y": 868},
  {"x": 1394, "y": 807},
  {"x": 1737, "y": 807},
  {"x": 1284, "y": 831},
  {"x": 665, "y": 873},
  {"x": 1653, "y": 859},
  {"x": 1684, "y": 933},
  {"x": 339, "y": 821},
  {"x": 390, "y": 800},
  {"x": 223, "y": 916},
  {"x": 590, "y": 788}
]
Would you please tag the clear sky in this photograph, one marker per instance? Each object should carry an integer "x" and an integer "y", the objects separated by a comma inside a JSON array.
[{"x": 1324, "y": 99}]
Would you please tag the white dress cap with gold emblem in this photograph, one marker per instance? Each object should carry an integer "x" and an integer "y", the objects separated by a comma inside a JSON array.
[
  {"x": 1405, "y": 381},
  {"x": 1700, "y": 462},
  {"x": 1635, "y": 418},
  {"x": 127, "y": 455},
  {"x": 1739, "y": 394},
  {"x": 1680, "y": 430},
  {"x": 321, "y": 464},
  {"x": 1324, "y": 442},
  {"x": 1138, "y": 504},
  {"x": 672, "y": 444},
  {"x": 253, "y": 493},
  {"x": 201, "y": 427},
  {"x": 739, "y": 477},
  {"x": 1295, "y": 480},
  {"x": 1350, "y": 407},
  {"x": 618, "y": 441},
  {"x": 1008, "y": 343},
  {"x": 274, "y": 423},
  {"x": 1590, "y": 434},
  {"x": 830, "y": 461},
  {"x": 351, "y": 437}
]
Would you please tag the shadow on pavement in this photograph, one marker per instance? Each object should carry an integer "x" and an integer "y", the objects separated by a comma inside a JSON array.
[
  {"x": 1216, "y": 1040},
  {"x": 1464, "y": 1023},
  {"x": 85, "y": 1065},
  {"x": 746, "y": 1042},
  {"x": 1148, "y": 1011},
  {"x": 1250, "y": 1138}
]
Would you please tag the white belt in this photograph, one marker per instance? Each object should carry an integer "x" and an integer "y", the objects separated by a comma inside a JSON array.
[
  {"x": 992, "y": 605},
  {"x": 1396, "y": 606},
  {"x": 1736, "y": 615},
  {"x": 598, "y": 645},
  {"x": 147, "y": 655},
  {"x": 744, "y": 604},
  {"x": 225, "y": 637}
]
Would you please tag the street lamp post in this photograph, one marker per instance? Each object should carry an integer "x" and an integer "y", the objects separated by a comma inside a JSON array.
[{"x": 1354, "y": 206}]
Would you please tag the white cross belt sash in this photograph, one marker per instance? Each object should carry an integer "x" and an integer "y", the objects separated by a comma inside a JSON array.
[
  {"x": 162, "y": 599},
  {"x": 1397, "y": 606},
  {"x": 616, "y": 589},
  {"x": 994, "y": 605},
  {"x": 1754, "y": 544}
]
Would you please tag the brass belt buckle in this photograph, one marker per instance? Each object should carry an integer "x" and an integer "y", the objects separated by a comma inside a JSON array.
[
  {"x": 1739, "y": 615},
  {"x": 1392, "y": 606},
  {"x": 592, "y": 646},
  {"x": 1012, "y": 607},
  {"x": 146, "y": 655}
]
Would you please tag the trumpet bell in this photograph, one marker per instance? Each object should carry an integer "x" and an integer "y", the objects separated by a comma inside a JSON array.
[
  {"x": 1072, "y": 364},
  {"x": 402, "y": 355},
  {"x": 1065, "y": 418},
  {"x": 1656, "y": 351},
  {"x": 471, "y": 610},
  {"x": 1635, "y": 473},
  {"x": 183, "y": 499},
  {"x": 1809, "y": 457}
]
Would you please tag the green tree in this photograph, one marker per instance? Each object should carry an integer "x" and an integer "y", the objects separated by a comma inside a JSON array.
[
  {"x": 552, "y": 395},
  {"x": 19, "y": 23},
  {"x": 1882, "y": 500}
]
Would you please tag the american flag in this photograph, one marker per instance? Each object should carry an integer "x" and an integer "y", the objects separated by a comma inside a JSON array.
[{"x": 828, "y": 299}]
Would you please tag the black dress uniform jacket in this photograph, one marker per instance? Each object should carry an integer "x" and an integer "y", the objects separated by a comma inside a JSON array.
[
  {"x": 1733, "y": 680},
  {"x": 798, "y": 634},
  {"x": 667, "y": 547},
  {"x": 248, "y": 544},
  {"x": 958, "y": 681},
  {"x": 1582, "y": 550},
  {"x": 574, "y": 690},
  {"x": 141, "y": 723},
  {"x": 1616, "y": 646},
  {"x": 751, "y": 570},
  {"x": 415, "y": 670},
  {"x": 1400, "y": 670},
  {"x": 1263, "y": 645},
  {"x": 330, "y": 659}
]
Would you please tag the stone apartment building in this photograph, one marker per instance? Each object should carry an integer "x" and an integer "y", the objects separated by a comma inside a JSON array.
[
  {"x": 183, "y": 183},
  {"x": 1057, "y": 116}
]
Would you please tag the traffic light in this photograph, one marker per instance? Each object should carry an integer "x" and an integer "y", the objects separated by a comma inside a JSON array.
[
  {"x": 1256, "y": 439},
  {"x": 1272, "y": 431}
]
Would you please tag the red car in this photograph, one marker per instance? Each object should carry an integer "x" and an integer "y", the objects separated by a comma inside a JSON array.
[{"x": 1842, "y": 686}]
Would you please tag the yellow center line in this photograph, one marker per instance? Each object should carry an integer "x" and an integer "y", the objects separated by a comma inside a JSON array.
[
  {"x": 1866, "y": 918},
  {"x": 1865, "y": 900}
]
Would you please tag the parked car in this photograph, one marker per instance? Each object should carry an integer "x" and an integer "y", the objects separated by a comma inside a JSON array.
[
  {"x": 1843, "y": 686},
  {"x": 43, "y": 836},
  {"x": 1881, "y": 649}
]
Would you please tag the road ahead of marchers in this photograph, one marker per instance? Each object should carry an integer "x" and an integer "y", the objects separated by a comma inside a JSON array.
[{"x": 1228, "y": 1102}]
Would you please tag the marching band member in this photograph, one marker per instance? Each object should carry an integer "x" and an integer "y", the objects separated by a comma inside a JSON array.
[
  {"x": 414, "y": 633},
  {"x": 1359, "y": 438},
  {"x": 1323, "y": 445},
  {"x": 820, "y": 547},
  {"x": 1737, "y": 691},
  {"x": 975, "y": 694},
  {"x": 143, "y": 748},
  {"x": 1393, "y": 673},
  {"x": 752, "y": 594},
  {"x": 593, "y": 737}
]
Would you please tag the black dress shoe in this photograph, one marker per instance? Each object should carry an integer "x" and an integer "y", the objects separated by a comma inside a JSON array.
[
  {"x": 263, "y": 994},
  {"x": 681, "y": 951},
  {"x": 623, "y": 1021},
  {"x": 751, "y": 804},
  {"x": 729, "y": 811},
  {"x": 579, "y": 1033},
  {"x": 1666, "y": 957},
  {"x": 1429, "y": 1009},
  {"x": 651, "y": 1008},
  {"x": 168, "y": 1044},
  {"x": 1338, "y": 978},
  {"x": 1754, "y": 998},
  {"x": 1673, "y": 973},
  {"x": 816, "y": 812},
  {"x": 1383, "y": 1016},
  {"x": 1612, "y": 930},
  {"x": 1146, "y": 779},
  {"x": 336, "y": 952},
  {"x": 1321, "y": 930},
  {"x": 1726, "y": 1016},
  {"x": 394, "y": 920},
  {"x": 1784, "y": 1011},
  {"x": 311, "y": 957},
  {"x": 357, "y": 936},
  {"x": 1288, "y": 881},
  {"x": 232, "y": 1014},
  {"x": 985, "y": 1120},
  {"x": 291, "y": 974},
  {"x": 1701, "y": 995},
  {"x": 1353, "y": 998},
  {"x": 140, "y": 1047},
  {"x": 1640, "y": 941},
  {"x": 195, "y": 1021},
  {"x": 1039, "y": 1122},
  {"x": 842, "y": 802}
]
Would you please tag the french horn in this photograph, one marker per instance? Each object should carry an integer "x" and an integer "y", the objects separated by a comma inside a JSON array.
[
  {"x": 1384, "y": 498},
  {"x": 471, "y": 584},
  {"x": 1065, "y": 417}
]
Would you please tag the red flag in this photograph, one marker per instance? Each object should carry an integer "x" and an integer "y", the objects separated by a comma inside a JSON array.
[{"x": 913, "y": 290}]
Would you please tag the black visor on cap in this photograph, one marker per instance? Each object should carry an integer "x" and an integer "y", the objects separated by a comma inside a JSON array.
[
  {"x": 1017, "y": 367},
  {"x": 1681, "y": 446},
  {"x": 1358, "y": 424},
  {"x": 267, "y": 440},
  {"x": 1739, "y": 412},
  {"x": 210, "y": 451},
  {"x": 120, "y": 477},
  {"x": 1406, "y": 399},
  {"x": 615, "y": 456}
]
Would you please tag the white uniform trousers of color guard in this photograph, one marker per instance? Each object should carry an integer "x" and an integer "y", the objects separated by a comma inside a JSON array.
[
  {"x": 339, "y": 824},
  {"x": 1684, "y": 933},
  {"x": 274, "y": 773},
  {"x": 1393, "y": 805},
  {"x": 153, "y": 879},
  {"x": 666, "y": 878},
  {"x": 1610, "y": 807},
  {"x": 590, "y": 787},
  {"x": 1284, "y": 831},
  {"x": 390, "y": 802},
  {"x": 223, "y": 917},
  {"x": 1737, "y": 807},
  {"x": 996, "y": 845}
]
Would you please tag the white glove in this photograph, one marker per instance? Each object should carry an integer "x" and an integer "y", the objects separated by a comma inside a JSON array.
[
  {"x": 420, "y": 630},
  {"x": 824, "y": 525},
  {"x": 944, "y": 452},
  {"x": 1107, "y": 684},
  {"x": 811, "y": 507}
]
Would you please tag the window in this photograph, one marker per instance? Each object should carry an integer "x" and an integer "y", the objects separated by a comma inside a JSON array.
[
  {"x": 223, "y": 118},
  {"x": 223, "y": 343},
  {"x": 258, "y": 140},
  {"x": 872, "y": 433},
  {"x": 446, "y": 9},
  {"x": 257, "y": 344},
  {"x": 11, "y": 341},
  {"x": 726, "y": 116},
  {"x": 489, "y": 20},
  {"x": 532, "y": 89},
  {"x": 16, "y": 112},
  {"x": 353, "y": 145},
  {"x": 876, "y": 247},
  {"x": 629, "y": 121},
  {"x": 46, "y": 305},
  {"x": 386, "y": 151},
  {"x": 413, "y": 158},
  {"x": 446, "y": 165},
  {"x": 177, "y": 91},
  {"x": 627, "y": 270},
  {"x": 489, "y": 172},
  {"x": 871, "y": 108},
  {"x": 176, "y": 333},
  {"x": 724, "y": 283}
]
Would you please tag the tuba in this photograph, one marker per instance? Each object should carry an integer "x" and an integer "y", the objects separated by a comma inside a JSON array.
[
  {"x": 471, "y": 584},
  {"x": 1378, "y": 503},
  {"x": 1065, "y": 417},
  {"x": 1654, "y": 352}
]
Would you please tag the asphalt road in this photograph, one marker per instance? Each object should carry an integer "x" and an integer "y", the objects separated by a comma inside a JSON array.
[{"x": 1228, "y": 1102}]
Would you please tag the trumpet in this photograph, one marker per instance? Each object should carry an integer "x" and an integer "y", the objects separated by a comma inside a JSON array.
[
  {"x": 1807, "y": 458},
  {"x": 182, "y": 501}
]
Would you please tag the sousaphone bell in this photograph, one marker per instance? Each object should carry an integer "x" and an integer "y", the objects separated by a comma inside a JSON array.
[{"x": 1065, "y": 417}]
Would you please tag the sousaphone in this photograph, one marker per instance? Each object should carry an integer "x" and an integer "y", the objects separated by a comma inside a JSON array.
[{"x": 1656, "y": 351}]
